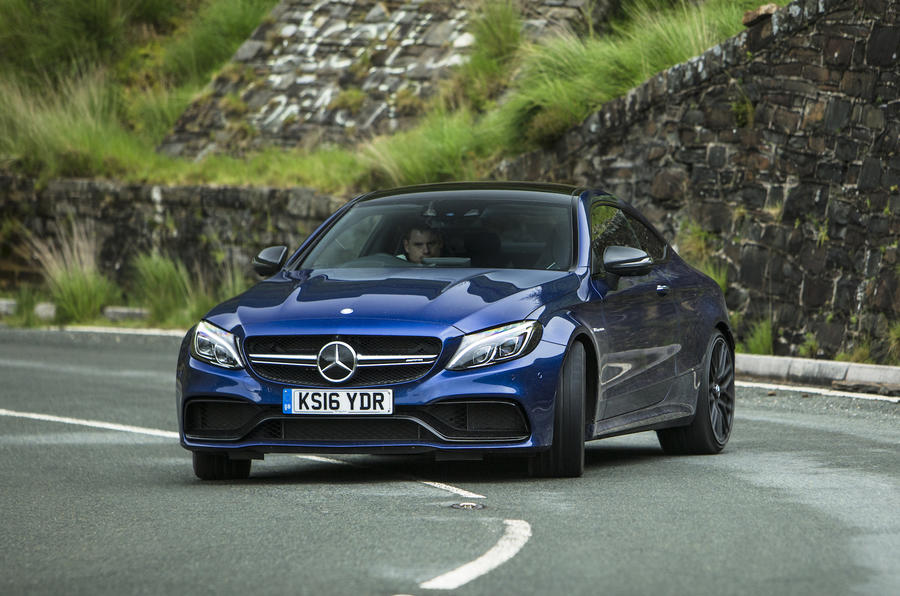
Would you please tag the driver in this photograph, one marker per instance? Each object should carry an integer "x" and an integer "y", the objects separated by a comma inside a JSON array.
[{"x": 421, "y": 242}]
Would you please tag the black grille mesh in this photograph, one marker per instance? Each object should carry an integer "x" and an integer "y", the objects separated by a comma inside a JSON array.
[
  {"x": 453, "y": 421},
  {"x": 217, "y": 415}
]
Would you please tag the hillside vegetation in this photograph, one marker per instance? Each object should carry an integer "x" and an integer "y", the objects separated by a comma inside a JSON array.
[{"x": 90, "y": 88}]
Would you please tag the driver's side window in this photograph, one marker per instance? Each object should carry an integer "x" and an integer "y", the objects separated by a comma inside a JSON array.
[{"x": 609, "y": 227}]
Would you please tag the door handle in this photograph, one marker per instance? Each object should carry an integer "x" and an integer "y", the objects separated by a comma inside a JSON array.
[{"x": 662, "y": 289}]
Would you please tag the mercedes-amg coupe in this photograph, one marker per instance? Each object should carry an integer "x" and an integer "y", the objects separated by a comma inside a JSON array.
[{"x": 462, "y": 319}]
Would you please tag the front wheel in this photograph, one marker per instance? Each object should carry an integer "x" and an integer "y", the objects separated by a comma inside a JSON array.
[
  {"x": 565, "y": 458},
  {"x": 714, "y": 415},
  {"x": 218, "y": 466}
]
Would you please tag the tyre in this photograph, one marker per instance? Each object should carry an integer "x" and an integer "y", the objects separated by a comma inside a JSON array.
[
  {"x": 218, "y": 466},
  {"x": 565, "y": 458},
  {"x": 714, "y": 414}
]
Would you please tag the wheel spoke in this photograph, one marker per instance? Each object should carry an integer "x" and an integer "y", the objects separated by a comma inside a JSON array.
[
  {"x": 725, "y": 375},
  {"x": 723, "y": 356},
  {"x": 724, "y": 410},
  {"x": 727, "y": 406},
  {"x": 714, "y": 415}
]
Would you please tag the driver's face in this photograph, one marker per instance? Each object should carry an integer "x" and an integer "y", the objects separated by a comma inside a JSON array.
[{"x": 421, "y": 244}]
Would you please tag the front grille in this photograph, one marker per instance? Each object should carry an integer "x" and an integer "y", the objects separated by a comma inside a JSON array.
[
  {"x": 382, "y": 360},
  {"x": 444, "y": 422},
  {"x": 369, "y": 376},
  {"x": 341, "y": 430}
]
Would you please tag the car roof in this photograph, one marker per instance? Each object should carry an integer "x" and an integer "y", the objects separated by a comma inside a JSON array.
[{"x": 498, "y": 190}]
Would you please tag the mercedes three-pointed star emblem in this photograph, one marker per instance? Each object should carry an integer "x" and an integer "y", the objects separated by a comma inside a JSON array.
[{"x": 336, "y": 361}]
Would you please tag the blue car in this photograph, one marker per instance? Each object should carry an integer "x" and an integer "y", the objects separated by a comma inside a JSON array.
[{"x": 464, "y": 320}]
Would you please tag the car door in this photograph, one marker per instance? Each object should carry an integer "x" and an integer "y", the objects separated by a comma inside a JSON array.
[{"x": 634, "y": 316}]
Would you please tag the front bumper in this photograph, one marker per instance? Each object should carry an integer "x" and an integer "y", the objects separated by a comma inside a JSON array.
[{"x": 506, "y": 407}]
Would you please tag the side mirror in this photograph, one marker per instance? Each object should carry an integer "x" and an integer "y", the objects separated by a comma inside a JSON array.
[
  {"x": 269, "y": 260},
  {"x": 624, "y": 260}
]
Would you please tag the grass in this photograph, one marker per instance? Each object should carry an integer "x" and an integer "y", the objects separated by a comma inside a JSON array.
[
  {"x": 565, "y": 78},
  {"x": 810, "y": 347},
  {"x": 718, "y": 272},
  {"x": 26, "y": 298},
  {"x": 759, "y": 340},
  {"x": 698, "y": 247},
  {"x": 446, "y": 146},
  {"x": 177, "y": 296},
  {"x": 126, "y": 98},
  {"x": 894, "y": 343},
  {"x": 69, "y": 264},
  {"x": 496, "y": 26},
  {"x": 862, "y": 353}
]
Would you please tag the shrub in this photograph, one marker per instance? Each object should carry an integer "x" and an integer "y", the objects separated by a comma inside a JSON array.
[
  {"x": 810, "y": 347},
  {"x": 178, "y": 296},
  {"x": 69, "y": 265},
  {"x": 350, "y": 99},
  {"x": 894, "y": 343},
  {"x": 759, "y": 340},
  {"x": 717, "y": 271},
  {"x": 161, "y": 284},
  {"x": 861, "y": 353},
  {"x": 577, "y": 75}
]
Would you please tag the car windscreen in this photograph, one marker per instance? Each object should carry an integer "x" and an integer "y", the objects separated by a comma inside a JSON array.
[{"x": 480, "y": 232}]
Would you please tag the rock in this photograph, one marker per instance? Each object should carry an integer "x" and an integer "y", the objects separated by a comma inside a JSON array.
[
  {"x": 7, "y": 307},
  {"x": 753, "y": 17},
  {"x": 125, "y": 313},
  {"x": 45, "y": 311}
]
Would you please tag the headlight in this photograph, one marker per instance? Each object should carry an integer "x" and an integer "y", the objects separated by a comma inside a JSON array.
[
  {"x": 496, "y": 345},
  {"x": 215, "y": 346}
]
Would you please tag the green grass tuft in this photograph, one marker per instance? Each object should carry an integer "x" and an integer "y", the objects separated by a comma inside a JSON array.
[
  {"x": 177, "y": 296},
  {"x": 718, "y": 272},
  {"x": 894, "y": 343},
  {"x": 810, "y": 347},
  {"x": 69, "y": 265},
  {"x": 569, "y": 77},
  {"x": 759, "y": 341}
]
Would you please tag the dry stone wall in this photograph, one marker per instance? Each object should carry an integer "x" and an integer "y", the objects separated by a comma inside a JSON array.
[
  {"x": 335, "y": 71},
  {"x": 206, "y": 227},
  {"x": 784, "y": 142}
]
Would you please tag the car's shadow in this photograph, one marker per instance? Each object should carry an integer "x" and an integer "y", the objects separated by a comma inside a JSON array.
[{"x": 382, "y": 468}]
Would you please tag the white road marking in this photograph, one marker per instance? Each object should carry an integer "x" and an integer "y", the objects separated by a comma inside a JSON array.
[
  {"x": 817, "y": 391},
  {"x": 90, "y": 371},
  {"x": 323, "y": 460},
  {"x": 514, "y": 538},
  {"x": 126, "y": 331},
  {"x": 438, "y": 485},
  {"x": 91, "y": 423},
  {"x": 452, "y": 489}
]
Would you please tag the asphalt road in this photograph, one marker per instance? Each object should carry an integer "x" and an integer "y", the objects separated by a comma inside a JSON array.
[{"x": 804, "y": 500}]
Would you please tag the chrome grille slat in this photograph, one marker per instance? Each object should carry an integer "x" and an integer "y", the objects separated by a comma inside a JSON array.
[{"x": 292, "y": 359}]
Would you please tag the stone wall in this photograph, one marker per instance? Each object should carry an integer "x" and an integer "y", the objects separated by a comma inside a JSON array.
[
  {"x": 339, "y": 70},
  {"x": 784, "y": 142},
  {"x": 206, "y": 227}
]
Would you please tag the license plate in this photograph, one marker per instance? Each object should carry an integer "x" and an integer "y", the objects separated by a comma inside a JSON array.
[{"x": 327, "y": 401}]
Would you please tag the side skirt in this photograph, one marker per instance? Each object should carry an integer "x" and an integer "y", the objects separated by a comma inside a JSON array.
[{"x": 677, "y": 409}]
